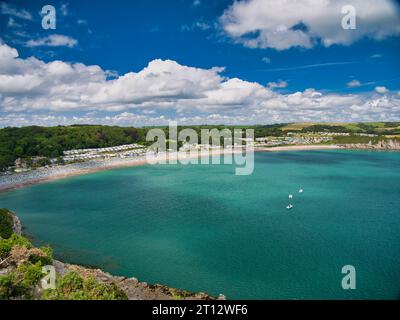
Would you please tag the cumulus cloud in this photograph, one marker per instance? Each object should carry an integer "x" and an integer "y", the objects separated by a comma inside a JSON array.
[
  {"x": 54, "y": 40},
  {"x": 266, "y": 60},
  {"x": 381, "y": 90},
  {"x": 36, "y": 92},
  {"x": 303, "y": 23},
  {"x": 353, "y": 83},
  {"x": 280, "y": 84}
]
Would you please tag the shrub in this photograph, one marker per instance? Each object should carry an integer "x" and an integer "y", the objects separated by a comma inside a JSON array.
[
  {"x": 15, "y": 240},
  {"x": 44, "y": 255},
  {"x": 19, "y": 284},
  {"x": 73, "y": 287},
  {"x": 6, "y": 224},
  {"x": 5, "y": 248},
  {"x": 30, "y": 274},
  {"x": 6, "y": 286}
]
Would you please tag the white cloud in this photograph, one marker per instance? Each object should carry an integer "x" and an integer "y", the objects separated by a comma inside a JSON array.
[
  {"x": 381, "y": 90},
  {"x": 354, "y": 83},
  {"x": 376, "y": 56},
  {"x": 37, "y": 92},
  {"x": 202, "y": 25},
  {"x": 12, "y": 23},
  {"x": 64, "y": 9},
  {"x": 197, "y": 25},
  {"x": 280, "y": 84},
  {"x": 11, "y": 11},
  {"x": 266, "y": 60},
  {"x": 196, "y": 3},
  {"x": 303, "y": 23},
  {"x": 81, "y": 21},
  {"x": 54, "y": 40}
]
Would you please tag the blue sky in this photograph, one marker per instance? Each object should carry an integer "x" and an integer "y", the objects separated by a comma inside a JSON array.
[{"x": 324, "y": 67}]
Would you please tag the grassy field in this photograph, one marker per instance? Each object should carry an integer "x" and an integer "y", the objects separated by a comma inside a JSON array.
[{"x": 375, "y": 127}]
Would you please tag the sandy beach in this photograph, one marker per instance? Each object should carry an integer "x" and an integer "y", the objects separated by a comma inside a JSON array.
[{"x": 22, "y": 179}]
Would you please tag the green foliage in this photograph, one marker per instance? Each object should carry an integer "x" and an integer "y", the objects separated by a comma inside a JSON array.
[
  {"x": 326, "y": 128},
  {"x": 50, "y": 142},
  {"x": 73, "y": 287},
  {"x": 15, "y": 240},
  {"x": 47, "y": 259},
  {"x": 392, "y": 124},
  {"x": 355, "y": 139},
  {"x": 176, "y": 296},
  {"x": 19, "y": 284},
  {"x": 29, "y": 274},
  {"x": 6, "y": 224},
  {"x": 6, "y": 286}
]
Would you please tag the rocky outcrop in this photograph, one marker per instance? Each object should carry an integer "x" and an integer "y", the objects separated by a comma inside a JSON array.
[
  {"x": 17, "y": 227},
  {"x": 133, "y": 288},
  {"x": 381, "y": 145}
]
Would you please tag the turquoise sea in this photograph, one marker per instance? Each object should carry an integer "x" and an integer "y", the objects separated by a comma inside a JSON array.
[{"x": 202, "y": 228}]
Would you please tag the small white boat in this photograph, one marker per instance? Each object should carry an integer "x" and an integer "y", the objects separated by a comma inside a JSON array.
[
  {"x": 301, "y": 191},
  {"x": 290, "y": 196},
  {"x": 290, "y": 206}
]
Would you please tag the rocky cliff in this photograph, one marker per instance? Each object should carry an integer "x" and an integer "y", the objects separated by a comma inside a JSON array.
[{"x": 390, "y": 144}]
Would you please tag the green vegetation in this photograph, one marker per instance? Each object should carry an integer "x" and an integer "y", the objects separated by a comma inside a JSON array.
[
  {"x": 19, "y": 283},
  {"x": 379, "y": 128},
  {"x": 73, "y": 287},
  {"x": 15, "y": 240},
  {"x": 325, "y": 128},
  {"x": 50, "y": 142},
  {"x": 6, "y": 224},
  {"x": 355, "y": 139},
  {"x": 176, "y": 296}
]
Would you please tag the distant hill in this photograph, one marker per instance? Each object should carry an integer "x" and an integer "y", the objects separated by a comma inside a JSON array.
[
  {"x": 356, "y": 127},
  {"x": 50, "y": 142}
]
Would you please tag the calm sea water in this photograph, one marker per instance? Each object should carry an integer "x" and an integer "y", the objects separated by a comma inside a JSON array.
[{"x": 202, "y": 228}]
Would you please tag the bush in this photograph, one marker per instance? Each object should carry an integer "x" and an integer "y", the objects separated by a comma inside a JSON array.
[
  {"x": 6, "y": 287},
  {"x": 6, "y": 224},
  {"x": 44, "y": 256},
  {"x": 15, "y": 240},
  {"x": 5, "y": 248},
  {"x": 29, "y": 274},
  {"x": 73, "y": 287},
  {"x": 19, "y": 284}
]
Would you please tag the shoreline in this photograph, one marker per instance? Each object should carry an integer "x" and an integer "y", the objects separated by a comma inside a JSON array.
[{"x": 43, "y": 175}]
